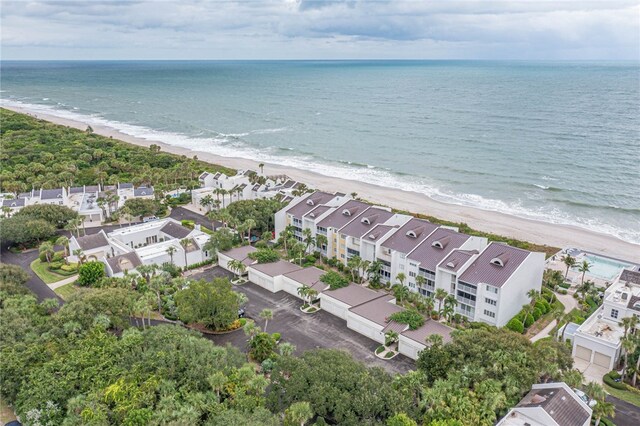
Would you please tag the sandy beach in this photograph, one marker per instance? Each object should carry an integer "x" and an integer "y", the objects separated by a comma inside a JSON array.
[{"x": 489, "y": 221}]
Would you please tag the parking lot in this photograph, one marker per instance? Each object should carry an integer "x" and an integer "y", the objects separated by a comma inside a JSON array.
[{"x": 305, "y": 331}]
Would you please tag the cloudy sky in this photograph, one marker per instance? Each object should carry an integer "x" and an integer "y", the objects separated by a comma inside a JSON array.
[{"x": 305, "y": 29}]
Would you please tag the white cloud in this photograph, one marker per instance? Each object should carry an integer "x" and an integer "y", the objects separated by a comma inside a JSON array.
[{"x": 320, "y": 29}]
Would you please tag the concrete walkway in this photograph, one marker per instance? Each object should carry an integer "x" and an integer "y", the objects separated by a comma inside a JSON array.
[
  {"x": 63, "y": 282},
  {"x": 568, "y": 301},
  {"x": 544, "y": 332}
]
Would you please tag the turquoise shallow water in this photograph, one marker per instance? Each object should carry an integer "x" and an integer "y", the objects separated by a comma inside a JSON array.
[{"x": 554, "y": 141}]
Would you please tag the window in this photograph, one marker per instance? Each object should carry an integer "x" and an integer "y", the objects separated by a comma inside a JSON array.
[
  {"x": 342, "y": 256},
  {"x": 614, "y": 313},
  {"x": 492, "y": 289},
  {"x": 412, "y": 274},
  {"x": 490, "y": 301},
  {"x": 489, "y": 313},
  {"x": 401, "y": 267}
]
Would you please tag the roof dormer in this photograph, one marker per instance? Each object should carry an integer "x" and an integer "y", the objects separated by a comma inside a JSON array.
[
  {"x": 500, "y": 260},
  {"x": 369, "y": 220},
  {"x": 416, "y": 232},
  {"x": 441, "y": 243}
]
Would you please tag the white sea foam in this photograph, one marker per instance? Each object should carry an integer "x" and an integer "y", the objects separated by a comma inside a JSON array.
[{"x": 230, "y": 145}]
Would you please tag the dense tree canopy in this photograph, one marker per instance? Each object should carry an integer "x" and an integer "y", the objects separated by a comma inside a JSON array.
[
  {"x": 35, "y": 153},
  {"x": 25, "y": 230},
  {"x": 54, "y": 214},
  {"x": 213, "y": 304},
  {"x": 262, "y": 211}
]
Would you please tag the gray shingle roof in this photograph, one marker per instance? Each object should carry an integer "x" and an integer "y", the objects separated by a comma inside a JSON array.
[
  {"x": 13, "y": 202},
  {"x": 51, "y": 194},
  {"x": 76, "y": 190},
  {"x": 430, "y": 327},
  {"x": 95, "y": 188},
  {"x": 309, "y": 277},
  {"x": 309, "y": 203},
  {"x": 457, "y": 259},
  {"x": 125, "y": 185},
  {"x": 89, "y": 242},
  {"x": 559, "y": 404},
  {"x": 409, "y": 235},
  {"x": 482, "y": 270},
  {"x": 378, "y": 232},
  {"x": 631, "y": 276},
  {"x": 354, "y": 295},
  {"x": 274, "y": 269},
  {"x": 318, "y": 211},
  {"x": 175, "y": 230},
  {"x": 338, "y": 218},
  {"x": 436, "y": 247},
  {"x": 365, "y": 222},
  {"x": 127, "y": 261},
  {"x": 378, "y": 310},
  {"x": 142, "y": 191},
  {"x": 240, "y": 253}
]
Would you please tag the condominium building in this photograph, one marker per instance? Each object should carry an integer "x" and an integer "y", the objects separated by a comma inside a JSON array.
[{"x": 490, "y": 281}]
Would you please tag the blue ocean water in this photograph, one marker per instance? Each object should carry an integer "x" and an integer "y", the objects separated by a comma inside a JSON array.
[{"x": 553, "y": 141}]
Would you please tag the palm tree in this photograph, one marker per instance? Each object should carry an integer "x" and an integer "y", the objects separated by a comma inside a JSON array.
[
  {"x": 74, "y": 225},
  {"x": 261, "y": 167},
  {"x": 207, "y": 202},
  {"x": 595, "y": 391},
  {"x": 354, "y": 195},
  {"x": 298, "y": 413},
  {"x": 46, "y": 248},
  {"x": 400, "y": 278},
  {"x": 303, "y": 291},
  {"x": 64, "y": 242},
  {"x": 629, "y": 323},
  {"x": 217, "y": 381},
  {"x": 354, "y": 264},
  {"x": 429, "y": 303},
  {"x": 440, "y": 295},
  {"x": 390, "y": 338},
  {"x": 266, "y": 315},
  {"x": 237, "y": 266},
  {"x": 286, "y": 349},
  {"x": 603, "y": 409},
  {"x": 629, "y": 344},
  {"x": 569, "y": 262},
  {"x": 584, "y": 268},
  {"x": 450, "y": 303},
  {"x": 249, "y": 224},
  {"x": 80, "y": 255},
  {"x": 147, "y": 271},
  {"x": 573, "y": 378},
  {"x": 171, "y": 250},
  {"x": 321, "y": 242},
  {"x": 400, "y": 292},
  {"x": 286, "y": 234},
  {"x": 637, "y": 369},
  {"x": 373, "y": 272},
  {"x": 534, "y": 295},
  {"x": 309, "y": 240}
]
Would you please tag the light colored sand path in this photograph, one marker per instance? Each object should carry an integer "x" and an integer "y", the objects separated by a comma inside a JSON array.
[
  {"x": 63, "y": 282},
  {"x": 498, "y": 223},
  {"x": 544, "y": 332}
]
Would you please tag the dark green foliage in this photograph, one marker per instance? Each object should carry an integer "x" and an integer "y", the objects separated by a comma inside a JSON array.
[
  {"x": 515, "y": 325},
  {"x": 410, "y": 317},
  {"x": 265, "y": 255},
  {"x": 90, "y": 273},
  {"x": 261, "y": 347},
  {"x": 262, "y": 211},
  {"x": 537, "y": 313},
  {"x": 220, "y": 240},
  {"x": 528, "y": 321},
  {"x": 25, "y": 230},
  {"x": 213, "y": 303},
  {"x": 610, "y": 379},
  {"x": 12, "y": 280},
  {"x": 54, "y": 214},
  {"x": 334, "y": 280},
  {"x": 141, "y": 207},
  {"x": 35, "y": 153},
  {"x": 339, "y": 389}
]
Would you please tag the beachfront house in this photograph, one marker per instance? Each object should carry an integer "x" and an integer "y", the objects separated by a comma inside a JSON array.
[
  {"x": 597, "y": 343},
  {"x": 549, "y": 404}
]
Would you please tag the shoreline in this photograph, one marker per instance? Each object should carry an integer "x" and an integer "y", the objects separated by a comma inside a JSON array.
[{"x": 484, "y": 220}]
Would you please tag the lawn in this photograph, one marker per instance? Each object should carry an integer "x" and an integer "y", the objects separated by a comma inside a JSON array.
[
  {"x": 45, "y": 274},
  {"x": 67, "y": 290},
  {"x": 630, "y": 397}
]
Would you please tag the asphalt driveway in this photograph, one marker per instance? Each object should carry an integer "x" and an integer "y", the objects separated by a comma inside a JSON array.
[{"x": 305, "y": 331}]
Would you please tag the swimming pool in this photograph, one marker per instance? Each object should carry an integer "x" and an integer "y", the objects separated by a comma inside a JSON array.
[{"x": 603, "y": 268}]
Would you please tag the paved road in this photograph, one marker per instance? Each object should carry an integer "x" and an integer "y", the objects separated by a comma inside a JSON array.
[
  {"x": 626, "y": 414},
  {"x": 307, "y": 331}
]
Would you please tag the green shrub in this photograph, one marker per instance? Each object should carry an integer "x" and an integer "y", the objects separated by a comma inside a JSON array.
[
  {"x": 389, "y": 354},
  {"x": 276, "y": 336},
  {"x": 515, "y": 325},
  {"x": 528, "y": 321},
  {"x": 565, "y": 285},
  {"x": 55, "y": 265},
  {"x": 410, "y": 317},
  {"x": 42, "y": 257},
  {"x": 261, "y": 244},
  {"x": 58, "y": 257},
  {"x": 188, "y": 223},
  {"x": 265, "y": 255},
  {"x": 609, "y": 380},
  {"x": 90, "y": 273},
  {"x": 243, "y": 322},
  {"x": 379, "y": 349},
  {"x": 537, "y": 313},
  {"x": 542, "y": 307},
  {"x": 267, "y": 365},
  {"x": 310, "y": 258},
  {"x": 72, "y": 267},
  {"x": 334, "y": 280},
  {"x": 562, "y": 291}
]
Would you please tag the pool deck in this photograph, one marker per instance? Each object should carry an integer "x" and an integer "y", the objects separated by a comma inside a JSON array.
[{"x": 574, "y": 277}]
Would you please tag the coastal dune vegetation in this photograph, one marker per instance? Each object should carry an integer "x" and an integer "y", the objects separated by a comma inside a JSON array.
[{"x": 38, "y": 154}]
